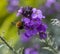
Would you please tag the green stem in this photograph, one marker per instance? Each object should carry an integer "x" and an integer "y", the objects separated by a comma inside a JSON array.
[{"x": 8, "y": 45}]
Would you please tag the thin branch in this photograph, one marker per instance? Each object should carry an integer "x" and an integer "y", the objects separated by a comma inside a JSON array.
[{"x": 8, "y": 45}]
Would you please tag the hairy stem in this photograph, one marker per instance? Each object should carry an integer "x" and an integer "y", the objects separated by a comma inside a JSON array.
[
  {"x": 8, "y": 45},
  {"x": 51, "y": 47}
]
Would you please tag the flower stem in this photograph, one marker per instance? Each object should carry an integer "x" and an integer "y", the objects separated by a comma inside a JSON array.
[{"x": 8, "y": 45}]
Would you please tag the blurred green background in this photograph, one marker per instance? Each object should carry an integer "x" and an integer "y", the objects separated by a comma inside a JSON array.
[{"x": 8, "y": 31}]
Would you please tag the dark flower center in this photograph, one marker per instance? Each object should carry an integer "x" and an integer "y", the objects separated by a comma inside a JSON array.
[{"x": 27, "y": 11}]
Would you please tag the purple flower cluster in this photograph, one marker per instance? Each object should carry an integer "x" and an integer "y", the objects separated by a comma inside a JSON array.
[
  {"x": 31, "y": 51},
  {"x": 13, "y": 5},
  {"x": 50, "y": 7},
  {"x": 33, "y": 25}
]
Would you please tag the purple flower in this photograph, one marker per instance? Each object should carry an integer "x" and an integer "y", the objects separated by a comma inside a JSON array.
[
  {"x": 30, "y": 51},
  {"x": 26, "y": 12},
  {"x": 14, "y": 2},
  {"x": 25, "y": 20},
  {"x": 51, "y": 7},
  {"x": 30, "y": 12},
  {"x": 13, "y": 5},
  {"x": 37, "y": 14},
  {"x": 25, "y": 37},
  {"x": 34, "y": 27},
  {"x": 12, "y": 8},
  {"x": 43, "y": 35},
  {"x": 19, "y": 11},
  {"x": 42, "y": 31},
  {"x": 32, "y": 20},
  {"x": 50, "y": 2},
  {"x": 42, "y": 27}
]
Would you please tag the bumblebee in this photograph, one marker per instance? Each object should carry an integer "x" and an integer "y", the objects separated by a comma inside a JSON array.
[{"x": 19, "y": 25}]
